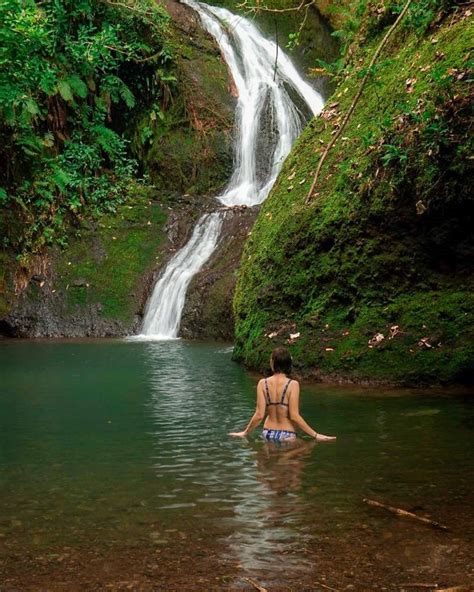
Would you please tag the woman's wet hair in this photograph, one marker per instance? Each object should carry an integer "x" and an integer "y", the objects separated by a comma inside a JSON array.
[{"x": 281, "y": 360}]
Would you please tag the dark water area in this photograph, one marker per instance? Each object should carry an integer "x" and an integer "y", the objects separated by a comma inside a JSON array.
[{"x": 122, "y": 446}]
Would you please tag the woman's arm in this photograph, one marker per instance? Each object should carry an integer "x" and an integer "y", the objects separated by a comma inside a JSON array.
[
  {"x": 257, "y": 416},
  {"x": 294, "y": 412}
]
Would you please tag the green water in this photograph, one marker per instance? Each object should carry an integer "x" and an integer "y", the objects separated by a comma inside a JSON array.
[{"x": 107, "y": 442}]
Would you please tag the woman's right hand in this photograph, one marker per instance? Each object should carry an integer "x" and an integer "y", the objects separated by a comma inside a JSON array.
[{"x": 323, "y": 438}]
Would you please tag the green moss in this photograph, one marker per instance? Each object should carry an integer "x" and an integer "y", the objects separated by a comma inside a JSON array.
[
  {"x": 361, "y": 256},
  {"x": 110, "y": 259},
  {"x": 187, "y": 146}
]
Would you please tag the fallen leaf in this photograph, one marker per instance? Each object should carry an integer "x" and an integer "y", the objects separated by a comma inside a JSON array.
[
  {"x": 420, "y": 207},
  {"x": 376, "y": 339},
  {"x": 394, "y": 330}
]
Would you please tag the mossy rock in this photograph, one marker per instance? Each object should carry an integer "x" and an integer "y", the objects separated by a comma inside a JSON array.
[
  {"x": 187, "y": 146},
  {"x": 386, "y": 239},
  {"x": 97, "y": 285}
]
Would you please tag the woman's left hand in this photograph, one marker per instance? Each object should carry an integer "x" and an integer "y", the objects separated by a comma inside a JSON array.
[{"x": 238, "y": 434}]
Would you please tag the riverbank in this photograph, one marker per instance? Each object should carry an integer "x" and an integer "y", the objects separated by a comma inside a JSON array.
[{"x": 394, "y": 558}]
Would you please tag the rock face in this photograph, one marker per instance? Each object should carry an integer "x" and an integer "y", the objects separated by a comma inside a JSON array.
[
  {"x": 99, "y": 286},
  {"x": 189, "y": 148},
  {"x": 208, "y": 310},
  {"x": 48, "y": 316}
]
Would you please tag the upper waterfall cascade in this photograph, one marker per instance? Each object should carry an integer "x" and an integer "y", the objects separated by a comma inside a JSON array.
[
  {"x": 264, "y": 77},
  {"x": 261, "y": 88}
]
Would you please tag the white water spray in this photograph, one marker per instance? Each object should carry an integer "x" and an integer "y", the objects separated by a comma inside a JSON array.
[
  {"x": 163, "y": 313},
  {"x": 264, "y": 109},
  {"x": 262, "y": 83}
]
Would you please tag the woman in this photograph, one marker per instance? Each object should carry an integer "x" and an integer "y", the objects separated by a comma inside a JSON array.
[{"x": 278, "y": 399}]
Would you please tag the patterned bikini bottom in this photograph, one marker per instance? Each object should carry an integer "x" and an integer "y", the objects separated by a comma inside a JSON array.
[{"x": 279, "y": 435}]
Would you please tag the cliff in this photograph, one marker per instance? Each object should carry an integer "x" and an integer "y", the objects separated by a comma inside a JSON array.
[{"x": 370, "y": 279}]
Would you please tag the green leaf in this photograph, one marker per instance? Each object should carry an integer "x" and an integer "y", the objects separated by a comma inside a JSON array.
[
  {"x": 61, "y": 179},
  {"x": 32, "y": 107},
  {"x": 30, "y": 144},
  {"x": 127, "y": 96},
  {"x": 65, "y": 90},
  {"x": 78, "y": 86}
]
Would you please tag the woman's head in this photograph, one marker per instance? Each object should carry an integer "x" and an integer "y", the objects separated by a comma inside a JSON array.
[{"x": 280, "y": 360}]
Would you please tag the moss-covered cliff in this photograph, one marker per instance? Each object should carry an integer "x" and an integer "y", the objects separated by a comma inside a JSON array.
[
  {"x": 372, "y": 277},
  {"x": 187, "y": 146},
  {"x": 96, "y": 287}
]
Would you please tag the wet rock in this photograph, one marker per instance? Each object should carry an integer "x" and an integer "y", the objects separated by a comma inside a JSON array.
[{"x": 207, "y": 313}]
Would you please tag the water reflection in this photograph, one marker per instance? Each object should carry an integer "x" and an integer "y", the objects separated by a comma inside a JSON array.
[
  {"x": 251, "y": 491},
  {"x": 124, "y": 443},
  {"x": 269, "y": 530}
]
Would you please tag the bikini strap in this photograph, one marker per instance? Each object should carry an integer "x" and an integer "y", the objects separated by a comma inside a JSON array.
[
  {"x": 284, "y": 393},
  {"x": 267, "y": 393}
]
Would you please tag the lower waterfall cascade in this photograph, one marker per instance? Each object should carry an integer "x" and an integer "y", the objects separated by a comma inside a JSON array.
[{"x": 265, "y": 108}]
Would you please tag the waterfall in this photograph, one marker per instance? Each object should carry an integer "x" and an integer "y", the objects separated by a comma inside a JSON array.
[
  {"x": 251, "y": 61},
  {"x": 264, "y": 109},
  {"x": 163, "y": 312}
]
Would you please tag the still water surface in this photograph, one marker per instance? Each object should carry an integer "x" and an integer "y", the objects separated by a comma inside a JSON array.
[{"x": 110, "y": 441}]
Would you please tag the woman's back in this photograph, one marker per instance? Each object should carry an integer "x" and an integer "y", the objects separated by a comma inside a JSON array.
[
  {"x": 278, "y": 401},
  {"x": 277, "y": 391}
]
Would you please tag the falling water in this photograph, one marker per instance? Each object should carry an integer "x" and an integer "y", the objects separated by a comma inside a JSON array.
[
  {"x": 264, "y": 77},
  {"x": 163, "y": 313}
]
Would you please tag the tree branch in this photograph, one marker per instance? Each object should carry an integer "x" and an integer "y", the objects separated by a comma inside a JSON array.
[{"x": 303, "y": 4}]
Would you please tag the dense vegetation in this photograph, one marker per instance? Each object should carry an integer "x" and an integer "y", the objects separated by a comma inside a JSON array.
[
  {"x": 373, "y": 272},
  {"x": 72, "y": 74},
  {"x": 107, "y": 110}
]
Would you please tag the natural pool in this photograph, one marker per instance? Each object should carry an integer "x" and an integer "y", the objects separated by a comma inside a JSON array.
[{"x": 120, "y": 450}]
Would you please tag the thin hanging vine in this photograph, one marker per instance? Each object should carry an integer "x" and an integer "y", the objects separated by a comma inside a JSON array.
[{"x": 356, "y": 99}]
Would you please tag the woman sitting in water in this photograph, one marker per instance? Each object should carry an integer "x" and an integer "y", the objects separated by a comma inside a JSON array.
[{"x": 278, "y": 398}]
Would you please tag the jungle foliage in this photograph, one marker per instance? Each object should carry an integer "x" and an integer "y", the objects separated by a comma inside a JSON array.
[{"x": 72, "y": 73}]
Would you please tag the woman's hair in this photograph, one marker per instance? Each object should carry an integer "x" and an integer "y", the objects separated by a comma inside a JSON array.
[{"x": 281, "y": 360}]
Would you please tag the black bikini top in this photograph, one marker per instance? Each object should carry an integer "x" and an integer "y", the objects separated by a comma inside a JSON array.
[{"x": 283, "y": 394}]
